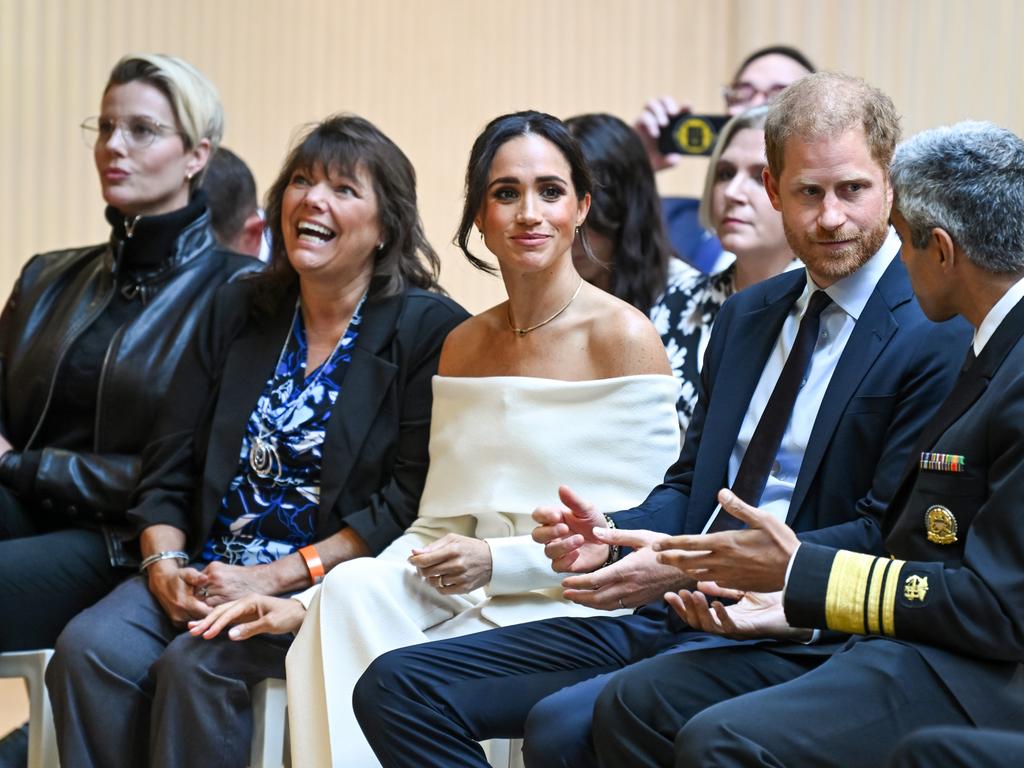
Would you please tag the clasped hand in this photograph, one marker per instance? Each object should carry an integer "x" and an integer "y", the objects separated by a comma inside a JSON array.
[
  {"x": 219, "y": 583},
  {"x": 454, "y": 564}
]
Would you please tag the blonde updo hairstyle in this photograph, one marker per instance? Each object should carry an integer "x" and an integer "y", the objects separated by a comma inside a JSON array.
[{"x": 193, "y": 98}]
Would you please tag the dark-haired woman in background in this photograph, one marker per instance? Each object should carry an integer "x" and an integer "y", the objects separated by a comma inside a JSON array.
[
  {"x": 630, "y": 256},
  {"x": 89, "y": 340},
  {"x": 562, "y": 380},
  {"x": 295, "y": 438}
]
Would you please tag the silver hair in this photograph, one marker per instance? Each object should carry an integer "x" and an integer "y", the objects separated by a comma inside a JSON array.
[{"x": 967, "y": 179}]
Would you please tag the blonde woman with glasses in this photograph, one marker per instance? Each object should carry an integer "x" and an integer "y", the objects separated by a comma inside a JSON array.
[{"x": 88, "y": 341}]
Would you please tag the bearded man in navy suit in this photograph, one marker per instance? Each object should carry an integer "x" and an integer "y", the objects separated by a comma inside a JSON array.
[{"x": 936, "y": 623}]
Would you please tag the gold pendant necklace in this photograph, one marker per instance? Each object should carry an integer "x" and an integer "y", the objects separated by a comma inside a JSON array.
[{"x": 520, "y": 332}]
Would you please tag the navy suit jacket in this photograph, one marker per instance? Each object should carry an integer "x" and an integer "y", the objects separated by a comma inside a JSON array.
[{"x": 895, "y": 370}]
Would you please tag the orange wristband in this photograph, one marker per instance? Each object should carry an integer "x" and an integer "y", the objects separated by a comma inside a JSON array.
[{"x": 313, "y": 563}]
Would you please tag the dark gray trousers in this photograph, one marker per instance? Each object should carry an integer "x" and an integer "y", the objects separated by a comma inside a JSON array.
[{"x": 129, "y": 688}]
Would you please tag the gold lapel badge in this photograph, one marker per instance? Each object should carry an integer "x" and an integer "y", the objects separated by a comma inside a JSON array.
[
  {"x": 915, "y": 588},
  {"x": 940, "y": 524}
]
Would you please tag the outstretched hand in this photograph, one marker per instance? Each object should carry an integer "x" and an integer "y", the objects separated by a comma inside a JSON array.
[
  {"x": 567, "y": 533},
  {"x": 755, "y": 558},
  {"x": 251, "y": 615},
  {"x": 753, "y": 615}
]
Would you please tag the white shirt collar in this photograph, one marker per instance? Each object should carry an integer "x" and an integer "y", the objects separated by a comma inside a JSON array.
[
  {"x": 997, "y": 314},
  {"x": 851, "y": 293}
]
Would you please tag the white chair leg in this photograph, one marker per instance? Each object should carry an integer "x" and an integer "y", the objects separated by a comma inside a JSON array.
[
  {"x": 269, "y": 724},
  {"x": 504, "y": 753},
  {"x": 42, "y": 737}
]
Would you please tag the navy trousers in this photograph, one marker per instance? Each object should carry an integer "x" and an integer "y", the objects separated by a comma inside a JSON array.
[
  {"x": 959, "y": 748},
  {"x": 770, "y": 706},
  {"x": 429, "y": 704}
]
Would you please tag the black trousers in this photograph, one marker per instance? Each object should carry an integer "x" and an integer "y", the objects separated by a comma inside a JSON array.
[
  {"x": 129, "y": 688},
  {"x": 765, "y": 706},
  {"x": 47, "y": 574},
  {"x": 959, "y": 748}
]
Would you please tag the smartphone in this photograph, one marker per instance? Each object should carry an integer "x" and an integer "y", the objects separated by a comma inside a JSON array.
[{"x": 689, "y": 134}]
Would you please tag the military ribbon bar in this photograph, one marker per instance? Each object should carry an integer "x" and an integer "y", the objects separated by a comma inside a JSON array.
[{"x": 942, "y": 462}]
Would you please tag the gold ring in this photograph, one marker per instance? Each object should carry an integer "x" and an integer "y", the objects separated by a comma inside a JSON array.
[
  {"x": 621, "y": 604},
  {"x": 440, "y": 581}
]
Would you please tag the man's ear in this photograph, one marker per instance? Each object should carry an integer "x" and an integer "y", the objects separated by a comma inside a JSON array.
[
  {"x": 251, "y": 235},
  {"x": 772, "y": 188},
  {"x": 946, "y": 250}
]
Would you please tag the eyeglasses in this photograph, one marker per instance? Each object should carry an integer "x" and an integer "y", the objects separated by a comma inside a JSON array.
[
  {"x": 741, "y": 94},
  {"x": 137, "y": 132}
]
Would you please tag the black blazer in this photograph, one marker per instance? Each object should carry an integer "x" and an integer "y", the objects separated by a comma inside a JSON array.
[
  {"x": 375, "y": 448},
  {"x": 895, "y": 370},
  {"x": 967, "y": 619}
]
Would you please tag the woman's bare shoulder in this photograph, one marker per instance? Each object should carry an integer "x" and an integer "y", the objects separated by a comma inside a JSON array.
[
  {"x": 625, "y": 339},
  {"x": 467, "y": 340}
]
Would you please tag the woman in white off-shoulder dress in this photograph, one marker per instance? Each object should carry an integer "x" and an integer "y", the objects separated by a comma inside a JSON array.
[{"x": 561, "y": 383}]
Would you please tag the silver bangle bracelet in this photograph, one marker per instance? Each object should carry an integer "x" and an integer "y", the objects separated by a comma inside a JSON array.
[{"x": 175, "y": 554}]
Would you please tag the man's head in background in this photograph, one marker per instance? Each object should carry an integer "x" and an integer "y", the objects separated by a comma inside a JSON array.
[{"x": 231, "y": 193}]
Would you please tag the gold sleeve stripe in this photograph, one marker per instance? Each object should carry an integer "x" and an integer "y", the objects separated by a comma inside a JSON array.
[
  {"x": 892, "y": 582},
  {"x": 860, "y": 598},
  {"x": 846, "y": 590},
  {"x": 873, "y": 609}
]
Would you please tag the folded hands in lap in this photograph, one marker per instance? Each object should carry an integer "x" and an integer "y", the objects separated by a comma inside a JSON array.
[{"x": 168, "y": 584}]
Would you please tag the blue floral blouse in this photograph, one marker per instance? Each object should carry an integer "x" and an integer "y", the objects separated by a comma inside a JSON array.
[{"x": 263, "y": 518}]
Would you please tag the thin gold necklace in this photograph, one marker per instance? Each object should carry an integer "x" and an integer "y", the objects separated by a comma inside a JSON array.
[{"x": 520, "y": 332}]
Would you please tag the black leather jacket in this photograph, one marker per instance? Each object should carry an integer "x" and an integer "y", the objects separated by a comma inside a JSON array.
[{"x": 57, "y": 296}]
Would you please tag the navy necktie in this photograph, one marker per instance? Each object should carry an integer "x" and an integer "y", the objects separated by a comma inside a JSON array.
[{"x": 764, "y": 444}]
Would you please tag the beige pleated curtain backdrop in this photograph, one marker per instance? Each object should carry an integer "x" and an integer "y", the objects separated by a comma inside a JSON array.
[{"x": 431, "y": 73}]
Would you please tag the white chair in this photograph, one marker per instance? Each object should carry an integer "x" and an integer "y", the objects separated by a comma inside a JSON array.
[
  {"x": 42, "y": 738},
  {"x": 504, "y": 753},
  {"x": 269, "y": 747}
]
